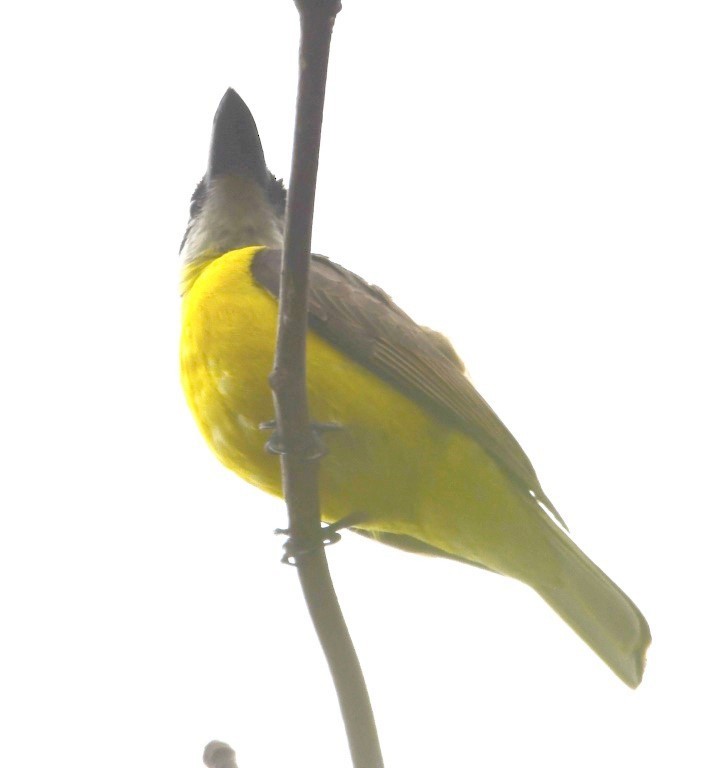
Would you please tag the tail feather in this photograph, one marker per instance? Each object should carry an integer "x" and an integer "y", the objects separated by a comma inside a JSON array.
[{"x": 598, "y": 610}]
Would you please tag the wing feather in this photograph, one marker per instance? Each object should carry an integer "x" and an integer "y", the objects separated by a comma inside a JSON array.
[{"x": 363, "y": 322}]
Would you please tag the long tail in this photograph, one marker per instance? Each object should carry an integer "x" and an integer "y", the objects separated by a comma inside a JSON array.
[
  {"x": 598, "y": 610},
  {"x": 584, "y": 597}
]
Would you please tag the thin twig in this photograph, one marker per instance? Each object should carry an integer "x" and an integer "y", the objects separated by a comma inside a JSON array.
[{"x": 300, "y": 472}]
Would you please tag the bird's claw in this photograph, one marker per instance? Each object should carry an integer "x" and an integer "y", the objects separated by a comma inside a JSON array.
[
  {"x": 315, "y": 450},
  {"x": 296, "y": 546}
]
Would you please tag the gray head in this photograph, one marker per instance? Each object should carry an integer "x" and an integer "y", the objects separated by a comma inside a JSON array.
[{"x": 239, "y": 202}]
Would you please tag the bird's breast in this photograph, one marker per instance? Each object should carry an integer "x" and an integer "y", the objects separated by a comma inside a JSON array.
[
  {"x": 227, "y": 344},
  {"x": 392, "y": 460}
]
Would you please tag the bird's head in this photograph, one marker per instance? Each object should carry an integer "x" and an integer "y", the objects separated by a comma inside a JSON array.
[{"x": 239, "y": 202}]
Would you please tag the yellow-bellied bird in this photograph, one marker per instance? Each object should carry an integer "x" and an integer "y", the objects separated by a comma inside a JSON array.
[{"x": 421, "y": 459}]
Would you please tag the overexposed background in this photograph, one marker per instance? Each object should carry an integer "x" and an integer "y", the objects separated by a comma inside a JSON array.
[{"x": 543, "y": 173}]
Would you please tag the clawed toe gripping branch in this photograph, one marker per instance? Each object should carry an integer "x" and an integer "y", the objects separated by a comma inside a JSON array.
[
  {"x": 315, "y": 448},
  {"x": 295, "y": 547}
]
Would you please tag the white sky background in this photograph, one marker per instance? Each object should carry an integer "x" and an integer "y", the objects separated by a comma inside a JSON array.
[{"x": 542, "y": 172}]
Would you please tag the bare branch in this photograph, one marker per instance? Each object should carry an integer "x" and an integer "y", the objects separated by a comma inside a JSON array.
[{"x": 299, "y": 466}]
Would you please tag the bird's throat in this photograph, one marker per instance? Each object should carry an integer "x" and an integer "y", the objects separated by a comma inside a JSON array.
[{"x": 235, "y": 214}]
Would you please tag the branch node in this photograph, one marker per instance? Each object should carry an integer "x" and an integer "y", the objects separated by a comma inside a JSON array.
[
  {"x": 320, "y": 8},
  {"x": 218, "y": 754}
]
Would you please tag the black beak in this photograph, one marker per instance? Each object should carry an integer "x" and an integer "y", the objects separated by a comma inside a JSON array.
[{"x": 235, "y": 144}]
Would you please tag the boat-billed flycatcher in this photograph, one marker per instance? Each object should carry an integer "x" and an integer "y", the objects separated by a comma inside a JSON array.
[{"x": 421, "y": 457}]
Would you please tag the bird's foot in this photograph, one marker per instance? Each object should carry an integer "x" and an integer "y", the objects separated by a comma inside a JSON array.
[
  {"x": 296, "y": 546},
  {"x": 315, "y": 450}
]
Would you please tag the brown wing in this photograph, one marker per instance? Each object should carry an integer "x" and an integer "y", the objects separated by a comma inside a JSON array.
[{"x": 364, "y": 323}]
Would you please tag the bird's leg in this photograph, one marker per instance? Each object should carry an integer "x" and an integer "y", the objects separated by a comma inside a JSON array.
[
  {"x": 315, "y": 451},
  {"x": 329, "y": 534}
]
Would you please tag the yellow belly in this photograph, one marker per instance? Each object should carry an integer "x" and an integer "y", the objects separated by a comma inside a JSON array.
[{"x": 392, "y": 461}]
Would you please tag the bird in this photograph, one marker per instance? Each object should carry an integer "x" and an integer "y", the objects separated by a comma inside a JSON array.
[{"x": 420, "y": 461}]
